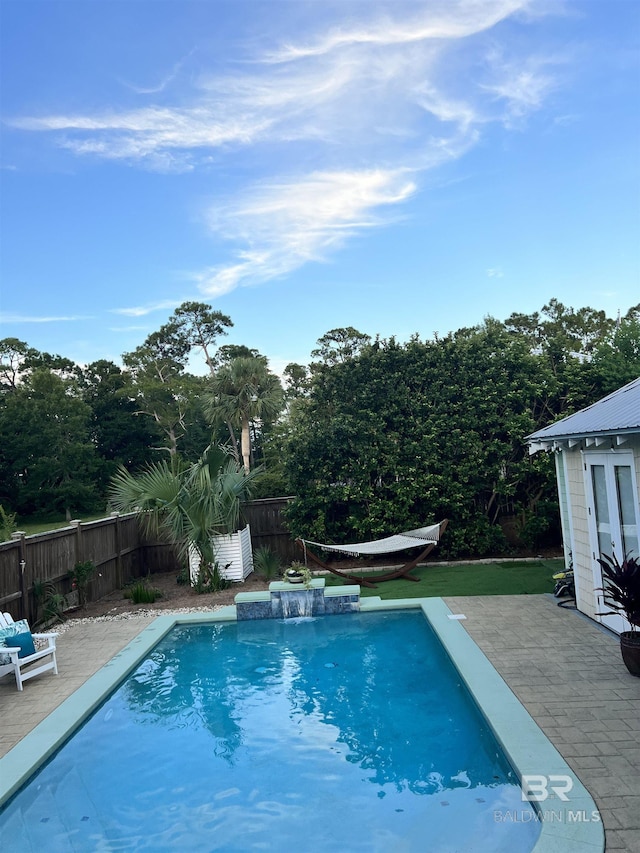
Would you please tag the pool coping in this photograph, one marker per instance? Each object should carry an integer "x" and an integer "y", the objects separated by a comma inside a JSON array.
[{"x": 573, "y": 826}]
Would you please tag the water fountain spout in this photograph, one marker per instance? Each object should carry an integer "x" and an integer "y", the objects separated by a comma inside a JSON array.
[{"x": 297, "y": 603}]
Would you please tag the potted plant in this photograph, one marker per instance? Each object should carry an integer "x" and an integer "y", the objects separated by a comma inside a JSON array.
[
  {"x": 297, "y": 573},
  {"x": 621, "y": 586}
]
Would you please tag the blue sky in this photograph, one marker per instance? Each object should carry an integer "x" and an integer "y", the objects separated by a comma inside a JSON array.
[{"x": 399, "y": 167}]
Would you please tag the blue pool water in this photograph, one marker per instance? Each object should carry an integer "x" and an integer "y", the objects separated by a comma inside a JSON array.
[{"x": 344, "y": 733}]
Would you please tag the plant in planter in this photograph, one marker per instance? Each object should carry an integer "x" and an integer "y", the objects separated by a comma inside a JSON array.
[
  {"x": 298, "y": 573},
  {"x": 621, "y": 586}
]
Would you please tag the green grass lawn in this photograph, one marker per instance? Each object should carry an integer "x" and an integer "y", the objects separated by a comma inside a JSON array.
[
  {"x": 37, "y": 526},
  {"x": 512, "y": 578}
]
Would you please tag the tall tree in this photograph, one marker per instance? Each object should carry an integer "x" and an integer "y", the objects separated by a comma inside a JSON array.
[
  {"x": 616, "y": 359},
  {"x": 157, "y": 370},
  {"x": 228, "y": 352},
  {"x": 339, "y": 345},
  {"x": 14, "y": 361},
  {"x": 120, "y": 436},
  {"x": 298, "y": 380},
  {"x": 48, "y": 462},
  {"x": 243, "y": 392},
  {"x": 200, "y": 327},
  {"x": 164, "y": 390}
]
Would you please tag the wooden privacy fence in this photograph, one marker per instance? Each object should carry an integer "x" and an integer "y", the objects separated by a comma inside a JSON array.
[
  {"x": 115, "y": 545},
  {"x": 119, "y": 550},
  {"x": 268, "y": 527}
]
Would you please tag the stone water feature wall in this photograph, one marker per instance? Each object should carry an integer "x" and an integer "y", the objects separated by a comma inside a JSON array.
[{"x": 287, "y": 600}]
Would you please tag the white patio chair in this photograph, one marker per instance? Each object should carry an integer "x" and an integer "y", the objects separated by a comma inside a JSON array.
[{"x": 11, "y": 661}]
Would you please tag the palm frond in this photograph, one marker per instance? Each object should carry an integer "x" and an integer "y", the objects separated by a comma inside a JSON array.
[{"x": 186, "y": 506}]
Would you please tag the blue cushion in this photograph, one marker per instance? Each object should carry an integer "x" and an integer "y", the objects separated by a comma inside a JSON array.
[
  {"x": 7, "y": 634},
  {"x": 24, "y": 642}
]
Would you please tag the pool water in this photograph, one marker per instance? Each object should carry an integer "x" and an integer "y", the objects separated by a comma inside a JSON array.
[{"x": 343, "y": 733}]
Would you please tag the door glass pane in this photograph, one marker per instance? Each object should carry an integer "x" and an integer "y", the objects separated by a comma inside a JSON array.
[
  {"x": 602, "y": 509},
  {"x": 627, "y": 510}
]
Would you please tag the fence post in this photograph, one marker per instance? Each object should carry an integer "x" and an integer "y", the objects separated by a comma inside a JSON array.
[
  {"x": 116, "y": 519},
  {"x": 18, "y": 536},
  {"x": 77, "y": 523}
]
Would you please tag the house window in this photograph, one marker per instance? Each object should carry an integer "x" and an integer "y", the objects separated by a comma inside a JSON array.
[
  {"x": 626, "y": 509},
  {"x": 601, "y": 506}
]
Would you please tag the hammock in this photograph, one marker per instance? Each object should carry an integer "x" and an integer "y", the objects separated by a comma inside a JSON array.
[
  {"x": 428, "y": 536},
  {"x": 399, "y": 542}
]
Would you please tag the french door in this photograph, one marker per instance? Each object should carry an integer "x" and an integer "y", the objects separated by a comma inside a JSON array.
[{"x": 613, "y": 518}]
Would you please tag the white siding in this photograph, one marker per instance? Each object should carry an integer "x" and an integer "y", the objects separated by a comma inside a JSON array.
[
  {"x": 582, "y": 558},
  {"x": 582, "y": 550},
  {"x": 564, "y": 502}
]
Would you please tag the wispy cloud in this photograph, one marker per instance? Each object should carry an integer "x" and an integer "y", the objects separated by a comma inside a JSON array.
[
  {"x": 358, "y": 112},
  {"x": 288, "y": 224},
  {"x": 444, "y": 20},
  {"x": 567, "y": 120},
  {"x": 335, "y": 88},
  {"x": 127, "y": 328},
  {"x": 143, "y": 310},
  {"x": 166, "y": 80},
  {"x": 152, "y": 135},
  {"x": 521, "y": 86},
  {"x": 26, "y": 318},
  {"x": 495, "y": 272}
]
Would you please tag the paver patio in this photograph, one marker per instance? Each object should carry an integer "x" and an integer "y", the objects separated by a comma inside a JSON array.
[
  {"x": 569, "y": 675},
  {"x": 565, "y": 670}
]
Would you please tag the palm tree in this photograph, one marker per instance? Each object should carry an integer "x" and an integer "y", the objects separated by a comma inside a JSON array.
[
  {"x": 186, "y": 506},
  {"x": 244, "y": 391}
]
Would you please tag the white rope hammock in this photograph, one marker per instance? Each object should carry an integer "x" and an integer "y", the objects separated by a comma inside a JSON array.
[{"x": 399, "y": 542}]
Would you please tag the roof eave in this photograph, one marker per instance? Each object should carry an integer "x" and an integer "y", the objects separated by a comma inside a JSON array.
[{"x": 586, "y": 440}]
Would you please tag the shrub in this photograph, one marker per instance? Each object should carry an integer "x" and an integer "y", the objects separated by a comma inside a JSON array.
[
  {"x": 80, "y": 576},
  {"x": 140, "y": 593},
  {"x": 183, "y": 578},
  {"x": 210, "y": 580},
  {"x": 266, "y": 562},
  {"x": 50, "y": 603},
  {"x": 539, "y": 529},
  {"x": 475, "y": 536}
]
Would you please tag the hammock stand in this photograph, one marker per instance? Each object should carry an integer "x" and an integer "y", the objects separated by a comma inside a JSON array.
[{"x": 410, "y": 539}]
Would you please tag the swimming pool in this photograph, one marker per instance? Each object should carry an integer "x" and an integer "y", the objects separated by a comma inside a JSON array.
[{"x": 342, "y": 733}]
